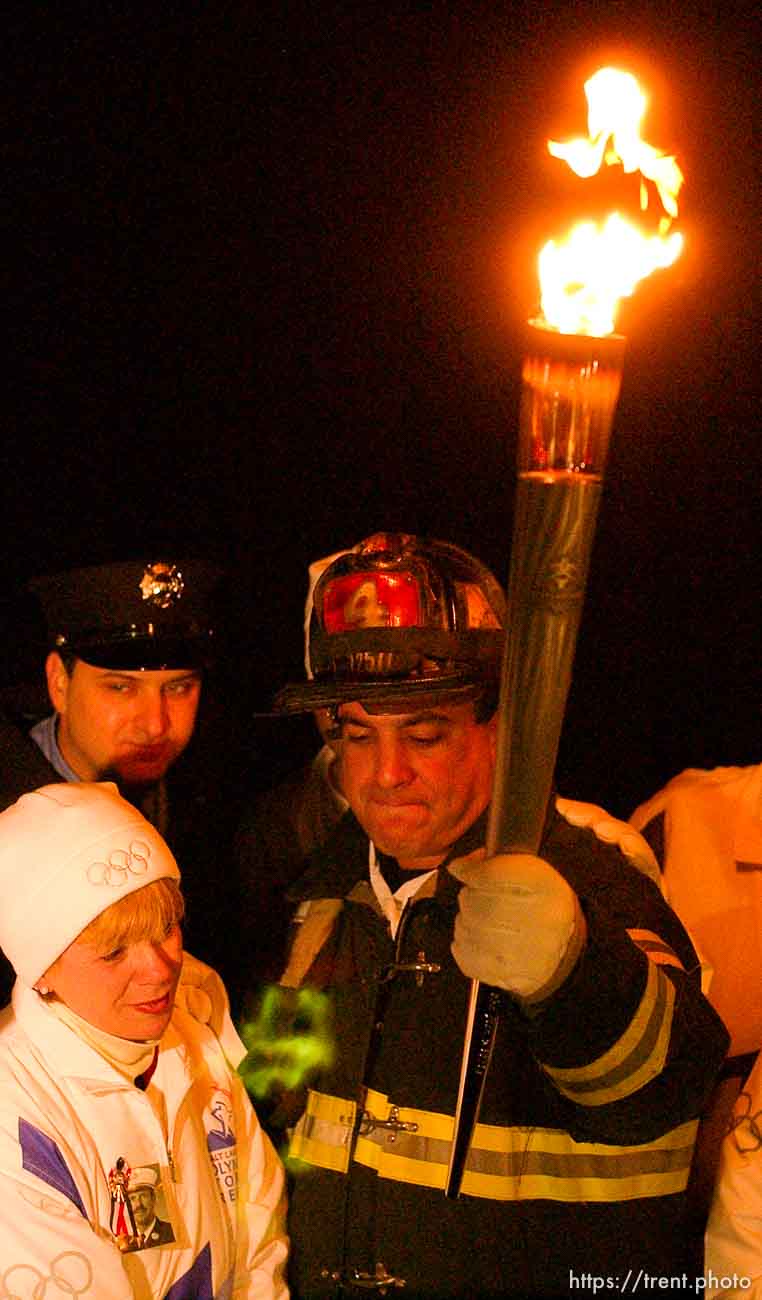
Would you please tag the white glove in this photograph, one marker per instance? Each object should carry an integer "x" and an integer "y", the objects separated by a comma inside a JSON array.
[{"x": 519, "y": 925}]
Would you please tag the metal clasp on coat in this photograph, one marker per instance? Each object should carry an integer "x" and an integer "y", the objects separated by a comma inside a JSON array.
[
  {"x": 378, "y": 1281},
  {"x": 393, "y": 1124},
  {"x": 419, "y": 968}
]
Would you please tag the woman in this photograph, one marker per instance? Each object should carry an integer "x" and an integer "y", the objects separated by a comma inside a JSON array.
[{"x": 117, "y": 1054}]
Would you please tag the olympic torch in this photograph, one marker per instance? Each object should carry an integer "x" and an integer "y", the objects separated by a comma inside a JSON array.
[{"x": 571, "y": 378}]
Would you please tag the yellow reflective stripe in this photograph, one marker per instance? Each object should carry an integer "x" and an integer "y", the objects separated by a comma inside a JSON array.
[
  {"x": 547, "y": 1164},
  {"x": 399, "y": 1167},
  {"x": 635, "y": 1058},
  {"x": 324, "y": 1133},
  {"x": 656, "y": 948},
  {"x": 504, "y": 1163},
  {"x": 548, "y": 1188}
]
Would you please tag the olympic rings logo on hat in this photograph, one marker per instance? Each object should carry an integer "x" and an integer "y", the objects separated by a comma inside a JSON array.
[{"x": 120, "y": 864}]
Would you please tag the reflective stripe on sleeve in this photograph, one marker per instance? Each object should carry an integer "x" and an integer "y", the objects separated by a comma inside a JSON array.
[
  {"x": 656, "y": 948},
  {"x": 323, "y": 1135},
  {"x": 503, "y": 1164},
  {"x": 634, "y": 1059}
]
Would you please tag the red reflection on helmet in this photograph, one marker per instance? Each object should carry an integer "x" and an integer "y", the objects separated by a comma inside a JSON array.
[{"x": 372, "y": 599}]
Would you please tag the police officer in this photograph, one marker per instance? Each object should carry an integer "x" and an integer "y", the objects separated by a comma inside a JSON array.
[{"x": 129, "y": 647}]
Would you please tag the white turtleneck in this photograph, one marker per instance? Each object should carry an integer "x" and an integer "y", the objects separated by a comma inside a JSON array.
[{"x": 129, "y": 1058}]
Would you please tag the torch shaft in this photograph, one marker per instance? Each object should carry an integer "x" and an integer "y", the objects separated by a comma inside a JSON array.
[
  {"x": 555, "y": 518},
  {"x": 569, "y": 395},
  {"x": 554, "y": 527}
]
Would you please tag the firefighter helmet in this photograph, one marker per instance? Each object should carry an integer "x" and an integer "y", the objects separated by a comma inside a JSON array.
[{"x": 399, "y": 616}]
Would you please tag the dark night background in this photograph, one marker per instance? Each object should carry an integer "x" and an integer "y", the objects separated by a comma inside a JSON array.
[{"x": 266, "y": 271}]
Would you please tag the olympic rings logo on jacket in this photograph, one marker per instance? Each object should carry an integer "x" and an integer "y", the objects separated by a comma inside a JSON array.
[{"x": 120, "y": 864}]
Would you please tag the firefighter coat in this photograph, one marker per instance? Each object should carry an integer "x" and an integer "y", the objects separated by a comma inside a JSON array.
[{"x": 580, "y": 1160}]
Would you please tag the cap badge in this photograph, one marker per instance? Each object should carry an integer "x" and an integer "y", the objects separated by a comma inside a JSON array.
[{"x": 162, "y": 585}]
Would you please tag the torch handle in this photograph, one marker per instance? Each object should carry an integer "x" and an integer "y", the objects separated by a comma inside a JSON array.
[{"x": 554, "y": 526}]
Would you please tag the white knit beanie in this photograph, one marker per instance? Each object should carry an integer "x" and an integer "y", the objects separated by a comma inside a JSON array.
[{"x": 67, "y": 852}]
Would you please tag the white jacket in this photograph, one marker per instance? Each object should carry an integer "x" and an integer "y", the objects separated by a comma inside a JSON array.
[
  {"x": 66, "y": 1116},
  {"x": 713, "y": 879},
  {"x": 734, "y": 1234}
]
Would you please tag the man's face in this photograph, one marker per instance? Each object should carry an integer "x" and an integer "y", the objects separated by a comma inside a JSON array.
[
  {"x": 416, "y": 780},
  {"x": 127, "y": 724},
  {"x": 143, "y": 1202},
  {"x": 129, "y": 992}
]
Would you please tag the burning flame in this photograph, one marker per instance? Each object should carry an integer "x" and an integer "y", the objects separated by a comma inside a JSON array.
[{"x": 584, "y": 276}]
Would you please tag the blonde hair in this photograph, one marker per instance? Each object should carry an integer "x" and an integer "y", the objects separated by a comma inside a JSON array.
[{"x": 147, "y": 914}]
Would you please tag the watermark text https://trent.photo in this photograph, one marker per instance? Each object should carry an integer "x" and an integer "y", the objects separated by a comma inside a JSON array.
[{"x": 641, "y": 1281}]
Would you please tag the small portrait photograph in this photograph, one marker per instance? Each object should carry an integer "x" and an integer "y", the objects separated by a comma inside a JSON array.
[{"x": 149, "y": 1211}]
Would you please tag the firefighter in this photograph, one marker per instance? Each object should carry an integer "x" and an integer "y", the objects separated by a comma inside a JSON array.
[{"x": 606, "y": 1048}]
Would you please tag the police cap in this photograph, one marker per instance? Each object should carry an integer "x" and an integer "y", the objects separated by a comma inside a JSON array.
[{"x": 132, "y": 615}]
